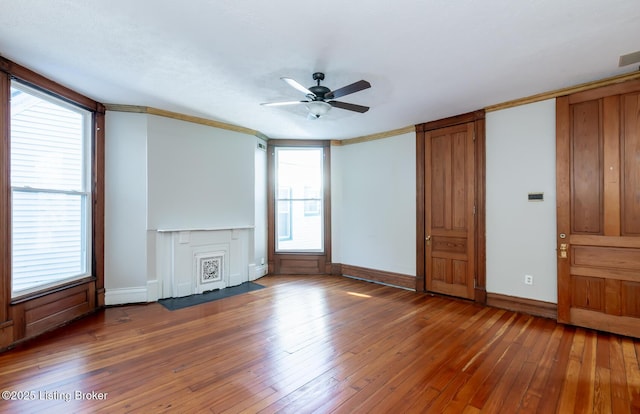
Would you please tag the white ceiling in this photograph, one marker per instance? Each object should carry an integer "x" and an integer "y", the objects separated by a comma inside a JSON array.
[{"x": 219, "y": 59}]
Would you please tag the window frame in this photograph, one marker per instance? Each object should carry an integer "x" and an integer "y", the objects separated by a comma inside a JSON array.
[
  {"x": 37, "y": 312},
  {"x": 288, "y": 213},
  {"x": 84, "y": 190},
  {"x": 293, "y": 200},
  {"x": 299, "y": 262}
]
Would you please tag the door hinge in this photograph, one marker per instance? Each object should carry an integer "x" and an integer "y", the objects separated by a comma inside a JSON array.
[{"x": 474, "y": 209}]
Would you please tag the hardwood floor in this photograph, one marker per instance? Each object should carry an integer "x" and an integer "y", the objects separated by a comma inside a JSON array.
[{"x": 328, "y": 345}]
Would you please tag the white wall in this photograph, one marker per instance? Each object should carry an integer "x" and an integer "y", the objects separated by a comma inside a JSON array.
[
  {"x": 373, "y": 198},
  {"x": 521, "y": 234},
  {"x": 374, "y": 204},
  {"x": 125, "y": 202},
  {"x": 164, "y": 173},
  {"x": 199, "y": 176}
]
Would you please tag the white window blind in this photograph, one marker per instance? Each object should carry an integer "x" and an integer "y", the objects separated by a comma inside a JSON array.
[{"x": 50, "y": 192}]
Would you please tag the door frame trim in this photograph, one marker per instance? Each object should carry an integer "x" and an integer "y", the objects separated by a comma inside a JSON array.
[
  {"x": 562, "y": 200},
  {"x": 478, "y": 118}
]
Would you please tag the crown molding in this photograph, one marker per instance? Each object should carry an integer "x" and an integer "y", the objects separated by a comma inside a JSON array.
[
  {"x": 381, "y": 135},
  {"x": 182, "y": 117},
  {"x": 374, "y": 137},
  {"x": 564, "y": 91}
]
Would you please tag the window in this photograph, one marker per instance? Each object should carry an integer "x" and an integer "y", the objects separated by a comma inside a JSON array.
[
  {"x": 284, "y": 213},
  {"x": 300, "y": 172},
  {"x": 50, "y": 190},
  {"x": 299, "y": 200},
  {"x": 312, "y": 202}
]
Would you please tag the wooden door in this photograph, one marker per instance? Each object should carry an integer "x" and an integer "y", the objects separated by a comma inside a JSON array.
[
  {"x": 598, "y": 195},
  {"x": 449, "y": 210}
]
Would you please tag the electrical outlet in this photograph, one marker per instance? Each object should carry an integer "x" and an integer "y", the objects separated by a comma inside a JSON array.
[{"x": 528, "y": 280}]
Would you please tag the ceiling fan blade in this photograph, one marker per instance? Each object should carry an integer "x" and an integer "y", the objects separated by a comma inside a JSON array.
[
  {"x": 283, "y": 103},
  {"x": 349, "y": 106},
  {"x": 294, "y": 84},
  {"x": 346, "y": 90}
]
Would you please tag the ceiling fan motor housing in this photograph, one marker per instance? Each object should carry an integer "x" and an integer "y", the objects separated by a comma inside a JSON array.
[{"x": 319, "y": 92}]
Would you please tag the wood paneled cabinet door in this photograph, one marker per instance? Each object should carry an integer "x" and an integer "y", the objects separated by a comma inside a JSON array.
[{"x": 598, "y": 195}]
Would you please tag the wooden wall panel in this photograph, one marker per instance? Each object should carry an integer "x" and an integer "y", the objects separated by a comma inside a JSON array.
[
  {"x": 611, "y": 158},
  {"x": 630, "y": 294},
  {"x": 606, "y": 257},
  {"x": 613, "y": 303},
  {"x": 588, "y": 293},
  {"x": 303, "y": 264},
  {"x": 38, "y": 310},
  {"x": 459, "y": 273},
  {"x": 439, "y": 269},
  {"x": 440, "y": 184},
  {"x": 631, "y": 160},
  {"x": 455, "y": 245},
  {"x": 586, "y": 160},
  {"x": 44, "y": 313},
  {"x": 459, "y": 206},
  {"x": 68, "y": 308}
]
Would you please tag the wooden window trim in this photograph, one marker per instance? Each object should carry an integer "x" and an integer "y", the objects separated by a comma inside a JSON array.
[
  {"x": 46, "y": 85},
  {"x": 13, "y": 325},
  {"x": 303, "y": 262}
]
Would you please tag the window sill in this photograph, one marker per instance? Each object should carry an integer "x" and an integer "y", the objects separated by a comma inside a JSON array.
[{"x": 52, "y": 289}]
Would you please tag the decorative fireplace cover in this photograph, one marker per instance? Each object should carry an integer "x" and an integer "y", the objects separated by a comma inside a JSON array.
[{"x": 210, "y": 270}]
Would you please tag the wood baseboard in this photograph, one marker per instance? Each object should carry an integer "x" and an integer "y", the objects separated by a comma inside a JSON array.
[
  {"x": 379, "y": 276},
  {"x": 529, "y": 306},
  {"x": 480, "y": 295},
  {"x": 6, "y": 334}
]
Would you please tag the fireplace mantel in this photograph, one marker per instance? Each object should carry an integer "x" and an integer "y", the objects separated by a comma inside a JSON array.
[
  {"x": 195, "y": 260},
  {"x": 205, "y": 229}
]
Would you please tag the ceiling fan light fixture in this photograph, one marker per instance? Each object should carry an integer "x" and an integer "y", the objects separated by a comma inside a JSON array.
[
  {"x": 318, "y": 108},
  {"x": 318, "y": 95}
]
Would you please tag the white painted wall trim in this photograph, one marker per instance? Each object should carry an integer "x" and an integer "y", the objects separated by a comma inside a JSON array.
[
  {"x": 153, "y": 292},
  {"x": 256, "y": 272},
  {"x": 121, "y": 296}
]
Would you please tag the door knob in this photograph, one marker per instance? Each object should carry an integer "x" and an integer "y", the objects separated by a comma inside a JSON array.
[{"x": 428, "y": 239}]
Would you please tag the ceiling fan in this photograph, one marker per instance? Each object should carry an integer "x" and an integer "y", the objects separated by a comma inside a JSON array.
[{"x": 320, "y": 98}]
